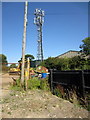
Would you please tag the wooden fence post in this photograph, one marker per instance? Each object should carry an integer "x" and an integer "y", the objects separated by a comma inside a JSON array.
[
  {"x": 83, "y": 83},
  {"x": 28, "y": 68},
  {"x": 26, "y": 78},
  {"x": 51, "y": 79},
  {"x": 27, "y": 73}
]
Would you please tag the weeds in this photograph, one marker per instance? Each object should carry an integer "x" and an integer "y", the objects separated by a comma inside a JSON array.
[
  {"x": 37, "y": 83},
  {"x": 73, "y": 98},
  {"x": 9, "y": 113},
  {"x": 5, "y": 100},
  {"x": 44, "y": 85},
  {"x": 32, "y": 84},
  {"x": 57, "y": 92},
  {"x": 16, "y": 86},
  {"x": 2, "y": 110}
]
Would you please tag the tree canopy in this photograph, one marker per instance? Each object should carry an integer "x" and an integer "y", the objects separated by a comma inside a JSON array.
[
  {"x": 3, "y": 59},
  {"x": 3, "y": 63},
  {"x": 74, "y": 63},
  {"x": 31, "y": 57},
  {"x": 13, "y": 66},
  {"x": 85, "y": 47}
]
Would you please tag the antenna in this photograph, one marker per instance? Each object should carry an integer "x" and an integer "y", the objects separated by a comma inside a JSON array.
[{"x": 39, "y": 20}]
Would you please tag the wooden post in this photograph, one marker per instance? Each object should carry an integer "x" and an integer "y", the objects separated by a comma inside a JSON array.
[
  {"x": 24, "y": 45},
  {"x": 83, "y": 83},
  {"x": 27, "y": 73},
  {"x": 28, "y": 68},
  {"x": 26, "y": 78},
  {"x": 51, "y": 72}
]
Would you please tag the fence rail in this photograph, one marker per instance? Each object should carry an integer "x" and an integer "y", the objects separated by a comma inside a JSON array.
[{"x": 78, "y": 78}]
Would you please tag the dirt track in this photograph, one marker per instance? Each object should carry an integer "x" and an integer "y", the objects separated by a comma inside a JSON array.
[
  {"x": 36, "y": 104},
  {"x": 6, "y": 81}
]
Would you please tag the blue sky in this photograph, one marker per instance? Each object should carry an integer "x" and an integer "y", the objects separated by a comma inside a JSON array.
[{"x": 65, "y": 26}]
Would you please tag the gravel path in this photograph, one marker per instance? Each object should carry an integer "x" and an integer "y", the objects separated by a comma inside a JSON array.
[
  {"x": 6, "y": 80},
  {"x": 36, "y": 104},
  {"x": 39, "y": 104}
]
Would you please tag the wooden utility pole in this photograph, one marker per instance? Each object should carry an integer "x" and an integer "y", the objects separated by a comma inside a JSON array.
[{"x": 24, "y": 44}]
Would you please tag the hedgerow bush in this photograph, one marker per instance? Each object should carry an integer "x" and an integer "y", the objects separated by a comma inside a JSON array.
[
  {"x": 74, "y": 63},
  {"x": 33, "y": 83},
  {"x": 44, "y": 85},
  {"x": 37, "y": 83}
]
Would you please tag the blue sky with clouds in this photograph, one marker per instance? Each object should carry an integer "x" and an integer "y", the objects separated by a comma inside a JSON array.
[{"x": 65, "y": 26}]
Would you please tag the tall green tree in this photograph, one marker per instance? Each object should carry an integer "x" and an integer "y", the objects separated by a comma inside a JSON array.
[
  {"x": 49, "y": 63},
  {"x": 56, "y": 63},
  {"x": 28, "y": 56},
  {"x": 85, "y": 47},
  {"x": 74, "y": 63},
  {"x": 3, "y": 63},
  {"x": 31, "y": 57},
  {"x": 3, "y": 59}
]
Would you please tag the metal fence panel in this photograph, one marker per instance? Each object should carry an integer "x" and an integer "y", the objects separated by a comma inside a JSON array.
[{"x": 78, "y": 78}]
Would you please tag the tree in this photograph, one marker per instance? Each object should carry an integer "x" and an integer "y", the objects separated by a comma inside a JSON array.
[
  {"x": 3, "y": 63},
  {"x": 27, "y": 56},
  {"x": 13, "y": 66},
  {"x": 49, "y": 63},
  {"x": 3, "y": 59},
  {"x": 56, "y": 63},
  {"x": 85, "y": 47},
  {"x": 74, "y": 62},
  {"x": 31, "y": 57}
]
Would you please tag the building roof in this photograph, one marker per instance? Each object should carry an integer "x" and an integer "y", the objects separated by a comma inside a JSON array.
[{"x": 69, "y": 54}]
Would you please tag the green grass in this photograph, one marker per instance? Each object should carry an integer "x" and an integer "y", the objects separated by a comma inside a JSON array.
[
  {"x": 57, "y": 92},
  {"x": 44, "y": 85},
  {"x": 37, "y": 83},
  {"x": 16, "y": 87},
  {"x": 9, "y": 113},
  {"x": 32, "y": 84}
]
